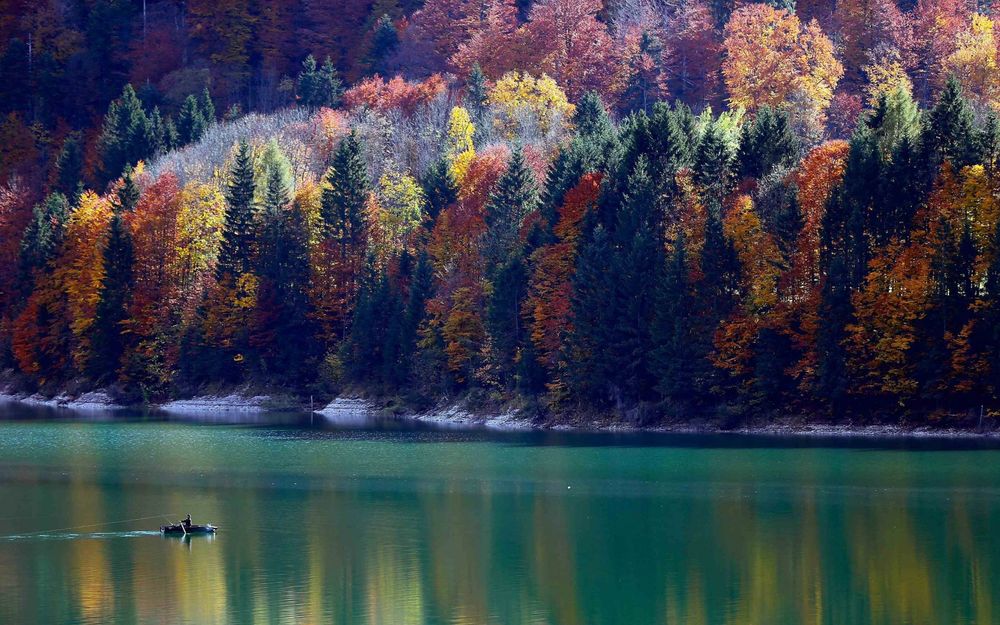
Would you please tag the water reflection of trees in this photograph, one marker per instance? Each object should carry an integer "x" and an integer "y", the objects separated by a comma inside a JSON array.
[{"x": 466, "y": 552}]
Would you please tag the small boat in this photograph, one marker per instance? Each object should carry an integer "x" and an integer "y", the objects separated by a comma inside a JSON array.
[{"x": 180, "y": 529}]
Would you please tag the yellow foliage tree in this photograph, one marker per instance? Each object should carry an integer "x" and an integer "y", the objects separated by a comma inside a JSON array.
[
  {"x": 517, "y": 94},
  {"x": 461, "y": 151},
  {"x": 885, "y": 76},
  {"x": 80, "y": 268},
  {"x": 399, "y": 212},
  {"x": 772, "y": 61},
  {"x": 974, "y": 61}
]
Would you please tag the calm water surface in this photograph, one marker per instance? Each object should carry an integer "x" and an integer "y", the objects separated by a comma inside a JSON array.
[{"x": 392, "y": 526}]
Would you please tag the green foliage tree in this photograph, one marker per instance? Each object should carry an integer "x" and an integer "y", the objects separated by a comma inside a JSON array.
[
  {"x": 238, "y": 234},
  {"x": 514, "y": 197}
]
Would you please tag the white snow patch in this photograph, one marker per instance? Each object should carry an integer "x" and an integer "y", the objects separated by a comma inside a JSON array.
[{"x": 216, "y": 403}]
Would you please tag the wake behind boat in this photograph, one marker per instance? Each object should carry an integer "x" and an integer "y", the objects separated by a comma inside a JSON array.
[{"x": 187, "y": 527}]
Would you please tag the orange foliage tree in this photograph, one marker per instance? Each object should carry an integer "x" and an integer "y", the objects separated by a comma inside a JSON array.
[{"x": 547, "y": 306}]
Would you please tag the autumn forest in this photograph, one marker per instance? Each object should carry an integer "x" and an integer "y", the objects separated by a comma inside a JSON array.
[{"x": 645, "y": 208}]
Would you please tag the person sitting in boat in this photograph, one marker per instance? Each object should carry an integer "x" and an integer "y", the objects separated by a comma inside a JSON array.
[{"x": 187, "y": 522}]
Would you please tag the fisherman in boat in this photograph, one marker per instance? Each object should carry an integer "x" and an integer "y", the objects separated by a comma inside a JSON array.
[{"x": 187, "y": 522}]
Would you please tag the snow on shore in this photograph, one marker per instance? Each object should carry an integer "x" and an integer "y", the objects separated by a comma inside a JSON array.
[
  {"x": 212, "y": 404},
  {"x": 93, "y": 401}
]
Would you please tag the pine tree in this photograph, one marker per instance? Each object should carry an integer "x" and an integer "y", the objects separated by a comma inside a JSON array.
[
  {"x": 236, "y": 252},
  {"x": 190, "y": 122},
  {"x": 308, "y": 85},
  {"x": 514, "y": 197},
  {"x": 835, "y": 313},
  {"x": 586, "y": 360},
  {"x": 439, "y": 188},
  {"x": 385, "y": 40},
  {"x": 591, "y": 118},
  {"x": 345, "y": 194},
  {"x": 633, "y": 264},
  {"x": 108, "y": 339},
  {"x": 69, "y": 168},
  {"x": 713, "y": 165},
  {"x": 476, "y": 94},
  {"x": 949, "y": 131},
  {"x": 330, "y": 86},
  {"x": 282, "y": 331},
  {"x": 207, "y": 107},
  {"x": 125, "y": 138},
  {"x": 674, "y": 358},
  {"x": 503, "y": 317},
  {"x": 158, "y": 133},
  {"x": 42, "y": 238},
  {"x": 766, "y": 143}
]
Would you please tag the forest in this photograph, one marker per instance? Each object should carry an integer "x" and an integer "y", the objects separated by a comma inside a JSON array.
[{"x": 646, "y": 208}]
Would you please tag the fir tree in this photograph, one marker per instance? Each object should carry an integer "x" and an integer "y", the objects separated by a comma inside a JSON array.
[
  {"x": 69, "y": 168},
  {"x": 835, "y": 313},
  {"x": 190, "y": 122},
  {"x": 235, "y": 254},
  {"x": 283, "y": 332},
  {"x": 503, "y": 317},
  {"x": 674, "y": 358},
  {"x": 345, "y": 194},
  {"x": 439, "y": 188},
  {"x": 633, "y": 264},
  {"x": 712, "y": 164},
  {"x": 125, "y": 138},
  {"x": 591, "y": 118},
  {"x": 586, "y": 360},
  {"x": 42, "y": 238},
  {"x": 385, "y": 40},
  {"x": 514, "y": 197},
  {"x": 108, "y": 339},
  {"x": 949, "y": 130},
  {"x": 207, "y": 107},
  {"x": 766, "y": 143}
]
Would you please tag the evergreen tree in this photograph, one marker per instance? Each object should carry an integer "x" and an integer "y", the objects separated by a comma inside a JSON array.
[
  {"x": 634, "y": 265},
  {"x": 439, "y": 188},
  {"x": 503, "y": 317},
  {"x": 190, "y": 122},
  {"x": 207, "y": 107},
  {"x": 766, "y": 143},
  {"x": 319, "y": 87},
  {"x": 674, "y": 357},
  {"x": 282, "y": 331},
  {"x": 591, "y": 118},
  {"x": 158, "y": 133},
  {"x": 385, "y": 40},
  {"x": 476, "y": 91},
  {"x": 236, "y": 252},
  {"x": 345, "y": 194},
  {"x": 949, "y": 131},
  {"x": 719, "y": 289},
  {"x": 108, "y": 339},
  {"x": 126, "y": 136},
  {"x": 514, "y": 197},
  {"x": 586, "y": 360},
  {"x": 69, "y": 169},
  {"x": 42, "y": 238},
  {"x": 127, "y": 197},
  {"x": 670, "y": 147},
  {"x": 835, "y": 312},
  {"x": 712, "y": 164}
]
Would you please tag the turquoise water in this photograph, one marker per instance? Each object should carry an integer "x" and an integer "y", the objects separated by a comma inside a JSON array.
[{"x": 394, "y": 526}]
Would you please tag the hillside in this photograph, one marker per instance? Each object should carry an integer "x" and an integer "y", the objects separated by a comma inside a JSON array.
[{"x": 639, "y": 209}]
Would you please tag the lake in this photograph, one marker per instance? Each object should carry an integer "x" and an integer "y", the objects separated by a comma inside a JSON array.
[{"x": 385, "y": 524}]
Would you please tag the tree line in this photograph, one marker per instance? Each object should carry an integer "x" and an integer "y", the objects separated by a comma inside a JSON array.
[{"x": 667, "y": 264}]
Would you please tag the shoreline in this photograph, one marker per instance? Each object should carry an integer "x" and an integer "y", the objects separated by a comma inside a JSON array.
[{"x": 356, "y": 411}]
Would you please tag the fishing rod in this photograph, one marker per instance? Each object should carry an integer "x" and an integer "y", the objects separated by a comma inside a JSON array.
[{"x": 77, "y": 527}]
